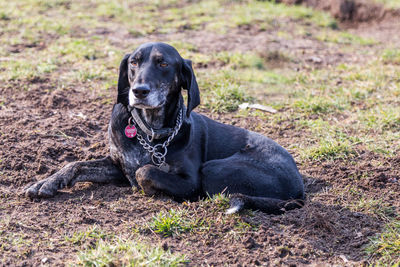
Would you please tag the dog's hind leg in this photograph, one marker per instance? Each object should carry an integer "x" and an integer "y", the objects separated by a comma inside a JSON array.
[
  {"x": 271, "y": 186},
  {"x": 98, "y": 171},
  {"x": 265, "y": 204}
]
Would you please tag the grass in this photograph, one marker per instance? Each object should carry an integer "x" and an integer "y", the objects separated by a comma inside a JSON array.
[
  {"x": 13, "y": 239},
  {"x": 240, "y": 60},
  {"x": 356, "y": 200},
  {"x": 251, "y": 14},
  {"x": 327, "y": 141},
  {"x": 317, "y": 105},
  {"x": 173, "y": 222},
  {"x": 384, "y": 117},
  {"x": 227, "y": 98},
  {"x": 340, "y": 37},
  {"x": 221, "y": 200},
  {"x": 328, "y": 150},
  {"x": 391, "y": 56},
  {"x": 365, "y": 97},
  {"x": 99, "y": 248},
  {"x": 92, "y": 233},
  {"x": 121, "y": 252},
  {"x": 389, "y": 3},
  {"x": 385, "y": 247},
  {"x": 17, "y": 241},
  {"x": 225, "y": 92}
]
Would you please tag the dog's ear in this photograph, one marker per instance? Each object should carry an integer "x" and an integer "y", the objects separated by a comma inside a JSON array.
[
  {"x": 190, "y": 84},
  {"x": 123, "y": 82}
]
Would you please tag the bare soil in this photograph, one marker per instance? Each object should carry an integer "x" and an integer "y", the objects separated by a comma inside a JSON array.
[
  {"x": 350, "y": 11},
  {"x": 43, "y": 129}
]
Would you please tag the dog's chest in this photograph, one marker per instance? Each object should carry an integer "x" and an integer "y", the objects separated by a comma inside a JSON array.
[{"x": 130, "y": 157}]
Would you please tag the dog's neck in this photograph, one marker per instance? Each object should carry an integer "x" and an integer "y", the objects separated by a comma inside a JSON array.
[
  {"x": 163, "y": 117},
  {"x": 154, "y": 117}
]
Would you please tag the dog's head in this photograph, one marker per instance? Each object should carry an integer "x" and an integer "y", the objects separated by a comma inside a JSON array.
[{"x": 153, "y": 74}]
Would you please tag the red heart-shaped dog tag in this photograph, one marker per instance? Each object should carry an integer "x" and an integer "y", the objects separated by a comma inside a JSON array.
[{"x": 130, "y": 131}]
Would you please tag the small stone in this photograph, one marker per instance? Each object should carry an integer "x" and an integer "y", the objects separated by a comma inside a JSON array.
[
  {"x": 315, "y": 59},
  {"x": 343, "y": 257}
]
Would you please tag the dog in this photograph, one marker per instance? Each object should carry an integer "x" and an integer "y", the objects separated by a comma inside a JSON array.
[{"x": 163, "y": 147}]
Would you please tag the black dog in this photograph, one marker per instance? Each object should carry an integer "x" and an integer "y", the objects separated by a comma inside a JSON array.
[{"x": 178, "y": 152}]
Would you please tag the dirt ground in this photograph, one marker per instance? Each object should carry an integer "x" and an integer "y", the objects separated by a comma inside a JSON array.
[
  {"x": 42, "y": 130},
  {"x": 320, "y": 232}
]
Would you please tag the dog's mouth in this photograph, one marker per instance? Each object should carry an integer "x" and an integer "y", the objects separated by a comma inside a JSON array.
[
  {"x": 146, "y": 103},
  {"x": 143, "y": 105}
]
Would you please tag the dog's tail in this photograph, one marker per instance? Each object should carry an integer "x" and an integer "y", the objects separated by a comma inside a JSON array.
[{"x": 268, "y": 205}]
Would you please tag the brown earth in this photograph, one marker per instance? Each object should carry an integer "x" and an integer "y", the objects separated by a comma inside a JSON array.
[
  {"x": 350, "y": 11},
  {"x": 43, "y": 129}
]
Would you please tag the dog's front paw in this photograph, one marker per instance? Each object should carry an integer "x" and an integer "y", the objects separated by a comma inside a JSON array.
[
  {"x": 143, "y": 178},
  {"x": 43, "y": 189}
]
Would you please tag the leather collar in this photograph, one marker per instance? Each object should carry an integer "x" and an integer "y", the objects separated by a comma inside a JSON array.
[{"x": 154, "y": 133}]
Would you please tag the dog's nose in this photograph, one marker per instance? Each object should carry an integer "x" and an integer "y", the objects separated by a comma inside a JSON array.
[{"x": 141, "y": 91}]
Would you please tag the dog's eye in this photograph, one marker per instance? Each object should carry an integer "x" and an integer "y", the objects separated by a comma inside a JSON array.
[
  {"x": 164, "y": 64},
  {"x": 134, "y": 64}
]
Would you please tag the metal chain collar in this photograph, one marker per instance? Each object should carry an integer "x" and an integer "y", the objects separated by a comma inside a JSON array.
[{"x": 158, "y": 152}]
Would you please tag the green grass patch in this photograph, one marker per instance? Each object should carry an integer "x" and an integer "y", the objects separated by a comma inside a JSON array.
[
  {"x": 100, "y": 248},
  {"x": 360, "y": 104},
  {"x": 242, "y": 79},
  {"x": 266, "y": 78},
  {"x": 356, "y": 200},
  {"x": 227, "y": 98},
  {"x": 123, "y": 252},
  {"x": 329, "y": 149},
  {"x": 4, "y": 16},
  {"x": 375, "y": 207},
  {"x": 240, "y": 60},
  {"x": 220, "y": 200},
  {"x": 326, "y": 141},
  {"x": 174, "y": 222},
  {"x": 339, "y": 37},
  {"x": 381, "y": 118},
  {"x": 391, "y": 56},
  {"x": 263, "y": 13},
  {"x": 222, "y": 91},
  {"x": 93, "y": 233},
  {"x": 317, "y": 105},
  {"x": 22, "y": 69},
  {"x": 385, "y": 247},
  {"x": 395, "y": 4},
  {"x": 35, "y": 21},
  {"x": 11, "y": 241},
  {"x": 147, "y": 17}
]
